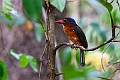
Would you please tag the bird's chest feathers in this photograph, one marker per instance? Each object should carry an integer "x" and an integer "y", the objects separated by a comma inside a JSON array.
[{"x": 70, "y": 33}]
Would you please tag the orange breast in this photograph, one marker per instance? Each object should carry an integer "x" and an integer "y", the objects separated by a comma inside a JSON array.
[{"x": 72, "y": 36}]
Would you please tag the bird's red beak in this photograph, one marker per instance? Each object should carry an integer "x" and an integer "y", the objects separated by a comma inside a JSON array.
[{"x": 59, "y": 21}]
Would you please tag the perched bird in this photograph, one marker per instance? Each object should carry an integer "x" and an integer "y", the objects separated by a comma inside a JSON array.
[{"x": 75, "y": 34}]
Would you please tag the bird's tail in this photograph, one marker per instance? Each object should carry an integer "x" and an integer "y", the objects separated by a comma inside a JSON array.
[{"x": 82, "y": 58}]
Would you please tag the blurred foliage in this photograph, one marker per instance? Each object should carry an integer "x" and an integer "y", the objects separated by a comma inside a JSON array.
[
  {"x": 3, "y": 71},
  {"x": 97, "y": 31},
  {"x": 24, "y": 60},
  {"x": 34, "y": 8},
  {"x": 71, "y": 66},
  {"x": 38, "y": 32},
  {"x": 13, "y": 18}
]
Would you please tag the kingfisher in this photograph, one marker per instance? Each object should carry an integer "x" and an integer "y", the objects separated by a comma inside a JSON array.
[{"x": 75, "y": 34}]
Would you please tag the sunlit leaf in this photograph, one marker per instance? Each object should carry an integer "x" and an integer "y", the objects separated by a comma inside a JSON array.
[
  {"x": 38, "y": 32},
  {"x": 6, "y": 6},
  {"x": 14, "y": 54},
  {"x": 23, "y": 61},
  {"x": 59, "y": 4},
  {"x": 106, "y": 4},
  {"x": 3, "y": 71},
  {"x": 32, "y": 8},
  {"x": 33, "y": 63}
]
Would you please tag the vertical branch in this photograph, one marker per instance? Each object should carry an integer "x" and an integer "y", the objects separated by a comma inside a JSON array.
[
  {"x": 50, "y": 75},
  {"x": 112, "y": 24}
]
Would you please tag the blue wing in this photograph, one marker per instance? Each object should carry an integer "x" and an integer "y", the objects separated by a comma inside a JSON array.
[{"x": 81, "y": 35}]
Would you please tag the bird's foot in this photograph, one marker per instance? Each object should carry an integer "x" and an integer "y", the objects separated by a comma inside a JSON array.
[{"x": 74, "y": 46}]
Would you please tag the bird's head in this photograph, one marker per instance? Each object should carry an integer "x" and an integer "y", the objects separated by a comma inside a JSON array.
[{"x": 66, "y": 21}]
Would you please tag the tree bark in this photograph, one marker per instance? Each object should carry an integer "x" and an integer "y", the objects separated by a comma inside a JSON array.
[{"x": 50, "y": 75}]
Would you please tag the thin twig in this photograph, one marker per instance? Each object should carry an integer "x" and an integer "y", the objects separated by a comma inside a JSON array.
[
  {"x": 115, "y": 71},
  {"x": 92, "y": 49},
  {"x": 112, "y": 24},
  {"x": 76, "y": 46},
  {"x": 102, "y": 55},
  {"x": 118, "y": 4},
  {"x": 117, "y": 26},
  {"x": 103, "y": 78},
  {"x": 57, "y": 74},
  {"x": 112, "y": 1},
  {"x": 116, "y": 40},
  {"x": 10, "y": 43},
  {"x": 106, "y": 49},
  {"x": 39, "y": 21},
  {"x": 41, "y": 60}
]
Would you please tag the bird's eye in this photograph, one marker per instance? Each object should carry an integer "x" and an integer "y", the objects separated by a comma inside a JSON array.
[{"x": 65, "y": 20}]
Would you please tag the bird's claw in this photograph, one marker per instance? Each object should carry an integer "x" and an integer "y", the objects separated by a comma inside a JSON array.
[{"x": 74, "y": 46}]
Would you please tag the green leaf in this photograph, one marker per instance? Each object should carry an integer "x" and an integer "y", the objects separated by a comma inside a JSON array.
[
  {"x": 6, "y": 6},
  {"x": 8, "y": 16},
  {"x": 33, "y": 63},
  {"x": 14, "y": 54},
  {"x": 59, "y": 4},
  {"x": 32, "y": 8},
  {"x": 38, "y": 32},
  {"x": 23, "y": 61},
  {"x": 8, "y": 20},
  {"x": 106, "y": 4},
  {"x": 75, "y": 73},
  {"x": 3, "y": 71},
  {"x": 66, "y": 56}
]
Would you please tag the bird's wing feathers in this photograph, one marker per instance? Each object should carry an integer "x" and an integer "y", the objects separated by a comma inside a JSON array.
[{"x": 81, "y": 35}]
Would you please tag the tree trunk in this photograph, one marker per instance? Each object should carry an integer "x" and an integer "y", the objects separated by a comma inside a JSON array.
[{"x": 50, "y": 75}]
